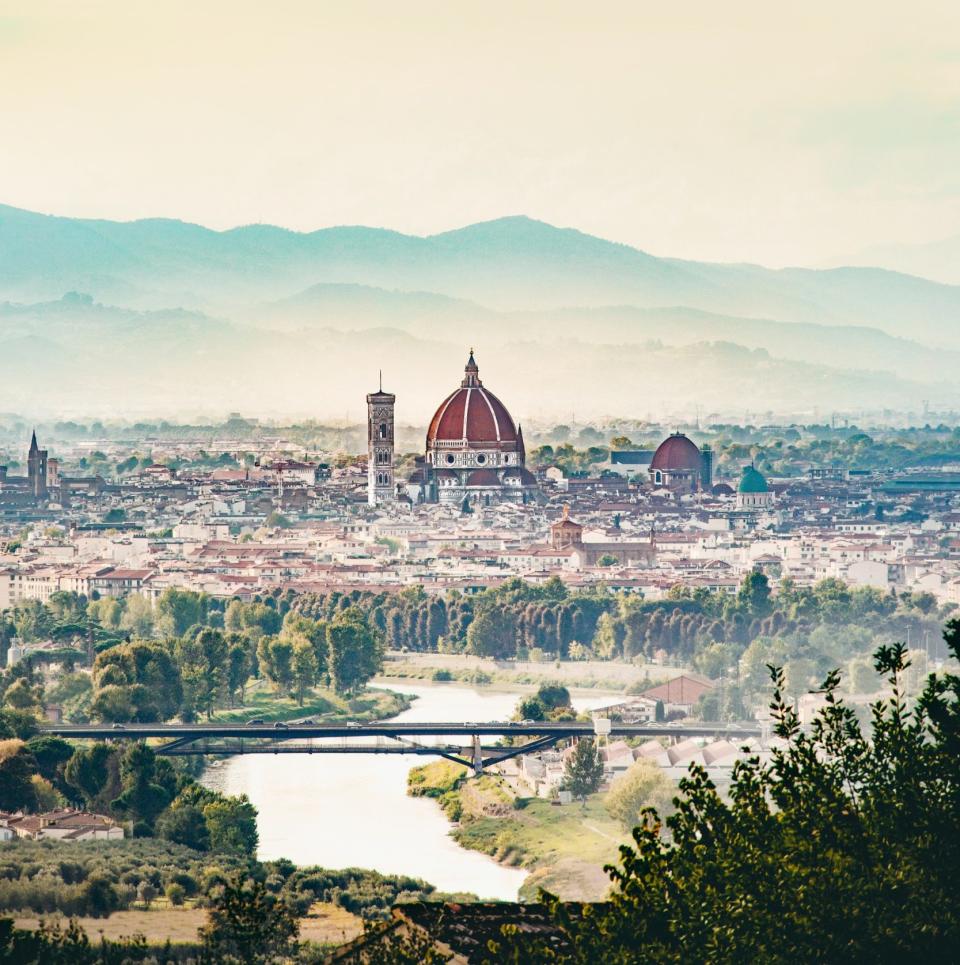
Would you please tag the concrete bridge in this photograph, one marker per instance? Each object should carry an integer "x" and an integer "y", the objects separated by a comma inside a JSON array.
[{"x": 384, "y": 737}]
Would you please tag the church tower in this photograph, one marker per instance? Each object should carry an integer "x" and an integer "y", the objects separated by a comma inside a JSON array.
[
  {"x": 380, "y": 484},
  {"x": 37, "y": 469}
]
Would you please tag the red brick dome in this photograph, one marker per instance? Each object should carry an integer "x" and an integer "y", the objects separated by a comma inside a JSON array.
[
  {"x": 676, "y": 454},
  {"x": 472, "y": 416}
]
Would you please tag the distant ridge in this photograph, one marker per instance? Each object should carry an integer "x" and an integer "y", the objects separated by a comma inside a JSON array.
[{"x": 513, "y": 263}]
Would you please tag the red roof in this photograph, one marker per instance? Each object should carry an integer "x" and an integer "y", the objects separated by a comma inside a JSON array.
[
  {"x": 676, "y": 453},
  {"x": 472, "y": 414}
]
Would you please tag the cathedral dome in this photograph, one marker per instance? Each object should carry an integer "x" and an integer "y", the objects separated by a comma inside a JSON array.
[
  {"x": 676, "y": 454},
  {"x": 472, "y": 417},
  {"x": 752, "y": 481}
]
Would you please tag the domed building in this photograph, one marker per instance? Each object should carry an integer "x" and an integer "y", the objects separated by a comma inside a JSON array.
[
  {"x": 753, "y": 492},
  {"x": 474, "y": 452},
  {"x": 679, "y": 465}
]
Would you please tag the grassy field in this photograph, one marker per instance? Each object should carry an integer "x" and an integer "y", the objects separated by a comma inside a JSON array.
[
  {"x": 564, "y": 848},
  {"x": 261, "y": 702},
  {"x": 325, "y": 924}
]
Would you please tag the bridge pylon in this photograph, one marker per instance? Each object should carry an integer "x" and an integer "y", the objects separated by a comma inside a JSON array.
[{"x": 477, "y": 755}]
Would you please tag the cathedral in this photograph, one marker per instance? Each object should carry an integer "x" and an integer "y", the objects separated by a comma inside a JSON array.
[{"x": 474, "y": 451}]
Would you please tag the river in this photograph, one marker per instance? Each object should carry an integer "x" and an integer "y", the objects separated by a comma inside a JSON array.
[{"x": 341, "y": 811}]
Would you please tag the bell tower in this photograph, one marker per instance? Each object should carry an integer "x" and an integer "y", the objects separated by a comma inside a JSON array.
[{"x": 380, "y": 484}]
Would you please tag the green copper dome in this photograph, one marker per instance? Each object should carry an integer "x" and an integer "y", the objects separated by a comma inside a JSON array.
[{"x": 752, "y": 481}]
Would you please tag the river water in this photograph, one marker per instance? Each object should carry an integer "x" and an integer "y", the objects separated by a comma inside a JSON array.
[{"x": 343, "y": 810}]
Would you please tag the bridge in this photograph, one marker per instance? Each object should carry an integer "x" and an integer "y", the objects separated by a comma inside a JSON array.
[{"x": 301, "y": 737}]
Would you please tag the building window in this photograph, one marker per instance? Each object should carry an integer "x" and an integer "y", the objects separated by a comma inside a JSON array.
[
  {"x": 383, "y": 430},
  {"x": 481, "y": 459},
  {"x": 450, "y": 459}
]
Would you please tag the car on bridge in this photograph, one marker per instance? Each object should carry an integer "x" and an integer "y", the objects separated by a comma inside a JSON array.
[{"x": 255, "y": 720}]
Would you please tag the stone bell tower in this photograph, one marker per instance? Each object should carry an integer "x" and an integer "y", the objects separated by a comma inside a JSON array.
[{"x": 381, "y": 487}]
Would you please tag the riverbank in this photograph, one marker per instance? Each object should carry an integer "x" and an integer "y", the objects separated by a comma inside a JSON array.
[
  {"x": 262, "y": 703},
  {"x": 591, "y": 676},
  {"x": 352, "y": 810},
  {"x": 564, "y": 848}
]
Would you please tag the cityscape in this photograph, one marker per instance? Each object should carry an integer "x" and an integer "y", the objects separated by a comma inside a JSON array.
[{"x": 439, "y": 522}]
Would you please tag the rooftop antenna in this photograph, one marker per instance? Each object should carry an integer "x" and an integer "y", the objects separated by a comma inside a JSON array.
[{"x": 381, "y": 380}]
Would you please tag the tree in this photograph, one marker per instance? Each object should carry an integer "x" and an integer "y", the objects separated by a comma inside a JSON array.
[
  {"x": 608, "y": 559},
  {"x": 315, "y": 631},
  {"x": 303, "y": 665},
  {"x": 47, "y": 795},
  {"x": 136, "y": 681},
  {"x": 605, "y": 638},
  {"x": 17, "y": 766},
  {"x": 843, "y": 847},
  {"x": 275, "y": 657},
  {"x": 137, "y": 615},
  {"x": 142, "y": 797},
  {"x": 355, "y": 653},
  {"x": 184, "y": 823},
  {"x": 20, "y": 695},
  {"x": 644, "y": 785},
  {"x": 175, "y": 893},
  {"x": 238, "y": 670},
  {"x": 554, "y": 697},
  {"x": 146, "y": 892},
  {"x": 530, "y": 708},
  {"x": 249, "y": 924},
  {"x": 754, "y": 594},
  {"x": 178, "y": 610},
  {"x": 583, "y": 772},
  {"x": 51, "y": 754},
  {"x": 493, "y": 633},
  {"x": 203, "y": 668},
  {"x": 91, "y": 771},
  {"x": 232, "y": 823}
]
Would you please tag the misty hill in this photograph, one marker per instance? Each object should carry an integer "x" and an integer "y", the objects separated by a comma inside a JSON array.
[
  {"x": 939, "y": 260},
  {"x": 440, "y": 317},
  {"x": 509, "y": 264},
  {"x": 93, "y": 359}
]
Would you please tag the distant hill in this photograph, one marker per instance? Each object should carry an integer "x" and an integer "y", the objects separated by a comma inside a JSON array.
[
  {"x": 937, "y": 260},
  {"x": 439, "y": 317},
  {"x": 77, "y": 357},
  {"x": 509, "y": 264}
]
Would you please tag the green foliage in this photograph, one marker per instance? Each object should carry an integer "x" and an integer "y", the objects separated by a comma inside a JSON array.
[
  {"x": 202, "y": 660},
  {"x": 355, "y": 651},
  {"x": 91, "y": 771},
  {"x": 643, "y": 786},
  {"x": 843, "y": 847},
  {"x": 17, "y": 767},
  {"x": 583, "y": 772},
  {"x": 146, "y": 788},
  {"x": 249, "y": 924},
  {"x": 136, "y": 681}
]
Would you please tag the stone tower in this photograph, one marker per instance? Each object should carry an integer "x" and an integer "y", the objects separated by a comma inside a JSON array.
[
  {"x": 380, "y": 484},
  {"x": 37, "y": 469}
]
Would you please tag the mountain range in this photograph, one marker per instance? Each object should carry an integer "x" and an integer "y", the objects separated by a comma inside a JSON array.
[{"x": 298, "y": 322}]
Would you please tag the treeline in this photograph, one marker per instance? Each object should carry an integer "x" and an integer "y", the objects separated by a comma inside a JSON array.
[
  {"x": 185, "y": 658},
  {"x": 90, "y": 879},
  {"x": 191, "y": 654}
]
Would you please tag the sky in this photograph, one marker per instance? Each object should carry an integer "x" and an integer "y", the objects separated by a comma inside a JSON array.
[{"x": 738, "y": 131}]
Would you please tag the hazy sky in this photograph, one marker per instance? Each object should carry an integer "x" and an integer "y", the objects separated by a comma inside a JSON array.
[{"x": 774, "y": 132}]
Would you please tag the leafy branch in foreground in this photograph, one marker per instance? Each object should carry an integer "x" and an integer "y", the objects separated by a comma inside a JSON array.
[{"x": 836, "y": 848}]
